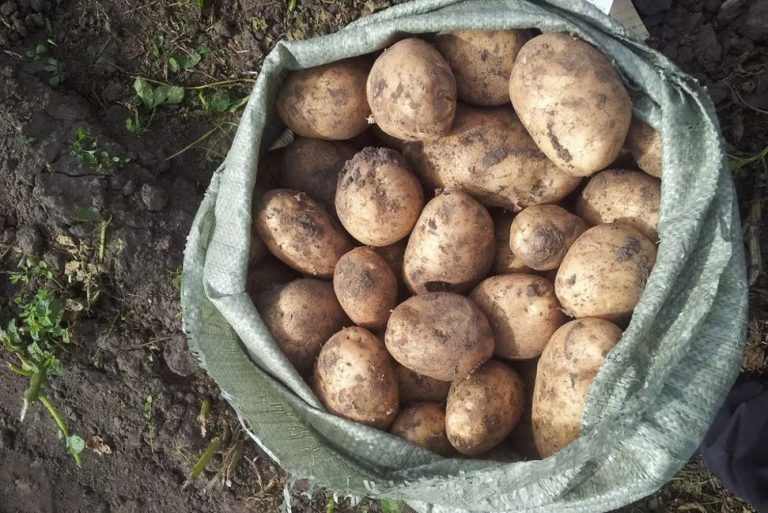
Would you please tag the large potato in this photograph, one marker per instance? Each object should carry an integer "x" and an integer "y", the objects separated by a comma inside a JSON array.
[
  {"x": 412, "y": 91},
  {"x": 377, "y": 198},
  {"x": 326, "y": 102},
  {"x": 506, "y": 261},
  {"x": 415, "y": 387},
  {"x": 622, "y": 196},
  {"x": 355, "y": 378},
  {"x": 451, "y": 247},
  {"x": 299, "y": 231},
  {"x": 566, "y": 370},
  {"x": 366, "y": 287},
  {"x": 604, "y": 272},
  {"x": 488, "y": 153},
  {"x": 572, "y": 101},
  {"x": 441, "y": 335},
  {"x": 481, "y": 62},
  {"x": 523, "y": 312},
  {"x": 483, "y": 408},
  {"x": 423, "y": 424},
  {"x": 301, "y": 316},
  {"x": 644, "y": 142},
  {"x": 313, "y": 166},
  {"x": 266, "y": 274},
  {"x": 541, "y": 235}
]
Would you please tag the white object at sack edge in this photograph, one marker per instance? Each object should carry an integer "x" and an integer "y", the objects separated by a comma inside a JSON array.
[{"x": 624, "y": 12}]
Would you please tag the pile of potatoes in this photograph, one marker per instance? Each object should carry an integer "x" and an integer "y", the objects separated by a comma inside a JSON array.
[{"x": 454, "y": 240}]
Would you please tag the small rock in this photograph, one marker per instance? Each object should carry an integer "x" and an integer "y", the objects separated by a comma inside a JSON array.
[
  {"x": 29, "y": 239},
  {"x": 8, "y": 8},
  {"x": 154, "y": 198},
  {"x": 7, "y": 438},
  {"x": 730, "y": 10},
  {"x": 113, "y": 92},
  {"x": 55, "y": 261},
  {"x": 651, "y": 7},
  {"x": 223, "y": 30},
  {"x": 129, "y": 188},
  {"x": 709, "y": 47},
  {"x": 36, "y": 5},
  {"x": 38, "y": 19},
  {"x": 19, "y": 27},
  {"x": 179, "y": 358},
  {"x": 755, "y": 25}
]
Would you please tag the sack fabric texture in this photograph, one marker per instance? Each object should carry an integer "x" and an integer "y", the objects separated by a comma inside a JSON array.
[{"x": 653, "y": 400}]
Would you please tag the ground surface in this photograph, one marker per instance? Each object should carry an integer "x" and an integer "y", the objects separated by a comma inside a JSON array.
[{"x": 111, "y": 221}]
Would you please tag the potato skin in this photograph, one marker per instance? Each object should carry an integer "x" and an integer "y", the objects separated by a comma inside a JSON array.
[
  {"x": 313, "y": 166},
  {"x": 326, "y": 102},
  {"x": 451, "y": 247},
  {"x": 542, "y": 234},
  {"x": 644, "y": 142},
  {"x": 355, "y": 378},
  {"x": 488, "y": 153},
  {"x": 604, "y": 272},
  {"x": 622, "y": 196},
  {"x": 415, "y": 387},
  {"x": 377, "y": 198},
  {"x": 423, "y": 424},
  {"x": 301, "y": 316},
  {"x": 506, "y": 261},
  {"x": 566, "y": 370},
  {"x": 366, "y": 287},
  {"x": 411, "y": 91},
  {"x": 298, "y": 231},
  {"x": 572, "y": 101},
  {"x": 441, "y": 335},
  {"x": 484, "y": 408},
  {"x": 523, "y": 311},
  {"x": 481, "y": 62}
]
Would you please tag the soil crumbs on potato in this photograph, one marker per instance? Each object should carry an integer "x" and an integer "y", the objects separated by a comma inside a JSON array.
[{"x": 87, "y": 186}]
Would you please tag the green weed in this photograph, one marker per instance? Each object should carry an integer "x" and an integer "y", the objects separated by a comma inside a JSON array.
[
  {"x": 390, "y": 506},
  {"x": 87, "y": 149},
  {"x": 55, "y": 69}
]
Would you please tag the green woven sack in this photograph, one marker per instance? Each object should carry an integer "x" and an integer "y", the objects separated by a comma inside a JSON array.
[{"x": 659, "y": 388}]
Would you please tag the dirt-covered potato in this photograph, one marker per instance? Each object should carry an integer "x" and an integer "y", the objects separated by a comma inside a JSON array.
[
  {"x": 411, "y": 91},
  {"x": 622, "y": 196},
  {"x": 423, "y": 424},
  {"x": 604, "y": 272},
  {"x": 481, "y": 62},
  {"x": 313, "y": 166},
  {"x": 355, "y": 378},
  {"x": 521, "y": 439},
  {"x": 326, "y": 102},
  {"x": 394, "y": 254},
  {"x": 483, "y": 408},
  {"x": 572, "y": 101},
  {"x": 415, "y": 387},
  {"x": 488, "y": 154},
  {"x": 541, "y": 235},
  {"x": 266, "y": 274},
  {"x": 301, "y": 316},
  {"x": 300, "y": 232},
  {"x": 523, "y": 312},
  {"x": 441, "y": 335},
  {"x": 366, "y": 287},
  {"x": 566, "y": 370},
  {"x": 506, "y": 261},
  {"x": 377, "y": 198},
  {"x": 644, "y": 142},
  {"x": 451, "y": 247}
]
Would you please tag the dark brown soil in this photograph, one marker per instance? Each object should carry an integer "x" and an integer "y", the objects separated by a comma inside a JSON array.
[{"x": 127, "y": 345}]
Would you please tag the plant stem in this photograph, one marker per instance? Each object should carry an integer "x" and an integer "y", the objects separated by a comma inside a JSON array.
[
  {"x": 20, "y": 371},
  {"x": 59, "y": 423},
  {"x": 195, "y": 142},
  {"x": 33, "y": 390},
  {"x": 213, "y": 447},
  {"x": 223, "y": 83}
]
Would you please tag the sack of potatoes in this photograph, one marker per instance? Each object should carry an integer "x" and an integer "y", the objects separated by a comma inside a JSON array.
[{"x": 508, "y": 243}]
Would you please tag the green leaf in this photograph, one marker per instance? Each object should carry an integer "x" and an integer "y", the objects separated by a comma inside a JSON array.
[
  {"x": 75, "y": 444},
  {"x": 173, "y": 63},
  {"x": 87, "y": 214},
  {"x": 390, "y": 506},
  {"x": 218, "y": 102},
  {"x": 175, "y": 94},
  {"x": 236, "y": 105},
  {"x": 192, "y": 60},
  {"x": 145, "y": 92}
]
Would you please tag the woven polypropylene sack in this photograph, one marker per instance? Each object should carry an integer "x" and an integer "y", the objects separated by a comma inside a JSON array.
[{"x": 653, "y": 399}]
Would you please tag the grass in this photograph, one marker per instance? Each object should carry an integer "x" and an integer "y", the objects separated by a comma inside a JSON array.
[{"x": 87, "y": 149}]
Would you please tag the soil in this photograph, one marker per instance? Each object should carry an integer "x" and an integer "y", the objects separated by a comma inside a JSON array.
[{"x": 115, "y": 234}]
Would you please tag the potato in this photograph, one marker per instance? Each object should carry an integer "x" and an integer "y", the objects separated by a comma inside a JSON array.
[
  {"x": 566, "y": 370},
  {"x": 506, "y": 261},
  {"x": 266, "y": 274},
  {"x": 483, "y": 408},
  {"x": 572, "y": 101},
  {"x": 366, "y": 287},
  {"x": 377, "y": 198},
  {"x": 313, "y": 166},
  {"x": 645, "y": 144},
  {"x": 355, "y": 378},
  {"x": 326, "y": 102},
  {"x": 298, "y": 231},
  {"x": 541, "y": 235},
  {"x": 411, "y": 91},
  {"x": 488, "y": 153},
  {"x": 258, "y": 249},
  {"x": 604, "y": 272},
  {"x": 481, "y": 62},
  {"x": 622, "y": 196},
  {"x": 451, "y": 247},
  {"x": 301, "y": 316},
  {"x": 441, "y": 335},
  {"x": 415, "y": 387},
  {"x": 423, "y": 424},
  {"x": 523, "y": 312},
  {"x": 394, "y": 254},
  {"x": 521, "y": 439},
  {"x": 388, "y": 140}
]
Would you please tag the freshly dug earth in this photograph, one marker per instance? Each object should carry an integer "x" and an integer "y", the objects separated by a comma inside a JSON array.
[{"x": 127, "y": 347}]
